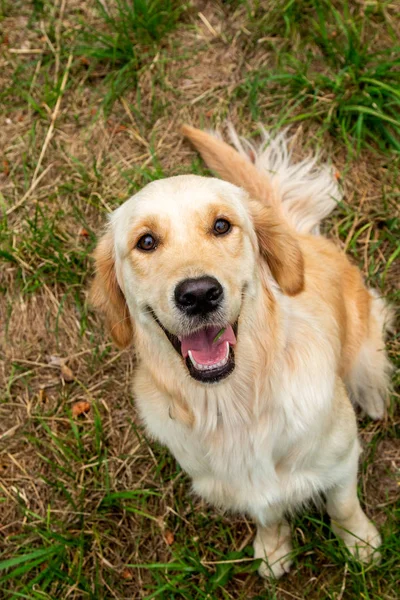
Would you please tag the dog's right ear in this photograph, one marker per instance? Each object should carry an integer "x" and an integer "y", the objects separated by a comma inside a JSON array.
[{"x": 107, "y": 296}]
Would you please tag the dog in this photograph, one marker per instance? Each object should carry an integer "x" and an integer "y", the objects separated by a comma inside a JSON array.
[{"x": 254, "y": 337}]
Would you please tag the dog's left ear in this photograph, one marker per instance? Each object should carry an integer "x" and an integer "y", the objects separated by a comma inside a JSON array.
[
  {"x": 107, "y": 296},
  {"x": 279, "y": 248}
]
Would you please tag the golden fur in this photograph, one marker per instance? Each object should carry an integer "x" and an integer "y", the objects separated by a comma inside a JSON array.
[{"x": 280, "y": 428}]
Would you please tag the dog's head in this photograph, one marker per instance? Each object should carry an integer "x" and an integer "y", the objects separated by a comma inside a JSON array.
[{"x": 177, "y": 260}]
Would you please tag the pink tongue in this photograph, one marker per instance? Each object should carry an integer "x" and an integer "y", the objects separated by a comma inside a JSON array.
[{"x": 204, "y": 349}]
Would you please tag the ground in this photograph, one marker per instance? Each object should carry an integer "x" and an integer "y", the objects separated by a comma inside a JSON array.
[{"x": 92, "y": 97}]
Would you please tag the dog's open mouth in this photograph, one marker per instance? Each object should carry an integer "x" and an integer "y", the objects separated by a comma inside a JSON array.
[{"x": 208, "y": 352}]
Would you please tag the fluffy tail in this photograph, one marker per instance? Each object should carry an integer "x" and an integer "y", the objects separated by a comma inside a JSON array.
[
  {"x": 304, "y": 192},
  {"x": 368, "y": 381}
]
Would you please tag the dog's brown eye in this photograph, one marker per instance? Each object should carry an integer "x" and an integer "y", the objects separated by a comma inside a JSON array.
[
  {"x": 147, "y": 243},
  {"x": 221, "y": 226}
]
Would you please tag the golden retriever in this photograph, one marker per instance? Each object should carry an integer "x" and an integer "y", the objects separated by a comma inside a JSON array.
[{"x": 252, "y": 332}]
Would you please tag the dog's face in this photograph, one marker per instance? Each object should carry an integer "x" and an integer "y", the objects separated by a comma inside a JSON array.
[{"x": 182, "y": 254}]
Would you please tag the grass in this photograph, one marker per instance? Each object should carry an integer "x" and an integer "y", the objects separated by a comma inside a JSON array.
[
  {"x": 92, "y": 97},
  {"x": 355, "y": 95},
  {"x": 128, "y": 38}
]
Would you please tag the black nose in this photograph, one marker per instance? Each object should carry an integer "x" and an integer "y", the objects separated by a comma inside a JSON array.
[{"x": 198, "y": 296}]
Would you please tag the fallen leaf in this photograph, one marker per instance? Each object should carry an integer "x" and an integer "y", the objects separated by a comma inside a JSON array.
[
  {"x": 80, "y": 408},
  {"x": 6, "y": 167},
  {"x": 127, "y": 574},
  {"x": 67, "y": 374},
  {"x": 169, "y": 537}
]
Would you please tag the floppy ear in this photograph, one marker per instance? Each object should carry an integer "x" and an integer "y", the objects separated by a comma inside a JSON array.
[
  {"x": 107, "y": 296},
  {"x": 232, "y": 166},
  {"x": 279, "y": 247}
]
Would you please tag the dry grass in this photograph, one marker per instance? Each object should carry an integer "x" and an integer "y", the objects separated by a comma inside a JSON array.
[{"x": 92, "y": 490}]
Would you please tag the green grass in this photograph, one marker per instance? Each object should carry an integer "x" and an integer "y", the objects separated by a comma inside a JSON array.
[
  {"x": 53, "y": 255},
  {"x": 92, "y": 509},
  {"x": 334, "y": 69},
  {"x": 127, "y": 40}
]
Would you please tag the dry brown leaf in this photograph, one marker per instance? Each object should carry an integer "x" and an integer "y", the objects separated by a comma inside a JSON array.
[
  {"x": 127, "y": 574},
  {"x": 80, "y": 408},
  {"x": 67, "y": 374},
  {"x": 169, "y": 537},
  {"x": 6, "y": 167}
]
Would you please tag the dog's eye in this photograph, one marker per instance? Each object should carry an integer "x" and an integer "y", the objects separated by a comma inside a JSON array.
[
  {"x": 221, "y": 226},
  {"x": 147, "y": 242}
]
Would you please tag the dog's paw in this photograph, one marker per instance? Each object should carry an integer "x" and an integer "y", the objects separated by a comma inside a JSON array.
[
  {"x": 362, "y": 541},
  {"x": 274, "y": 550}
]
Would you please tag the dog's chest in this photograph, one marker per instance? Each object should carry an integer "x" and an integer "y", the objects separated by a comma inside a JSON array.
[
  {"x": 233, "y": 469},
  {"x": 238, "y": 460},
  {"x": 241, "y": 468}
]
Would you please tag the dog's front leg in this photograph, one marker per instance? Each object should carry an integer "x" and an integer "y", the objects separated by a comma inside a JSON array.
[
  {"x": 348, "y": 519},
  {"x": 273, "y": 544}
]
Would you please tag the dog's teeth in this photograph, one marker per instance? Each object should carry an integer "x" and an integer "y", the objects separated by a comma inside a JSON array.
[{"x": 220, "y": 363}]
